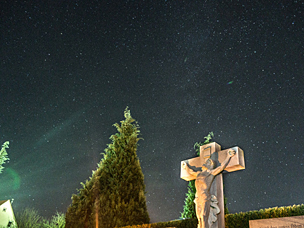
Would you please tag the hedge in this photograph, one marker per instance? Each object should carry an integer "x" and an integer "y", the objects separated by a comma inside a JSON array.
[{"x": 238, "y": 220}]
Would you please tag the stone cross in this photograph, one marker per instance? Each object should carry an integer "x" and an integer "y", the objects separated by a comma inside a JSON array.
[{"x": 213, "y": 151}]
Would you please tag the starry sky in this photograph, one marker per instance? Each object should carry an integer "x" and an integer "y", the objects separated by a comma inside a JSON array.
[{"x": 185, "y": 68}]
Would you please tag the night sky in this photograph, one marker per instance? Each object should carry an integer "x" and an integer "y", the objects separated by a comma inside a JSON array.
[{"x": 184, "y": 68}]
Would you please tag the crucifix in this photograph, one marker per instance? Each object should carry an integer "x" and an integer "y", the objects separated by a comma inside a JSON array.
[{"x": 206, "y": 170}]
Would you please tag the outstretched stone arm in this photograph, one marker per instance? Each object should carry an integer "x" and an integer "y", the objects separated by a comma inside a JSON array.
[
  {"x": 185, "y": 166},
  {"x": 218, "y": 170}
]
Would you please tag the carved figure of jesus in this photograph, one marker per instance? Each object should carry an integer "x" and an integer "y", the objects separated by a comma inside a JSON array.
[{"x": 203, "y": 184}]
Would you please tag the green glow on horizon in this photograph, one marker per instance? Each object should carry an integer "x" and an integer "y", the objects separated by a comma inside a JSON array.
[{"x": 11, "y": 179}]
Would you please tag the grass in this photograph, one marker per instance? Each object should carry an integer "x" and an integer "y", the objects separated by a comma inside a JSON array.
[{"x": 29, "y": 218}]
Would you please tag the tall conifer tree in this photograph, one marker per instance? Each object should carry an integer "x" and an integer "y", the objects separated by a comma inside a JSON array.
[{"x": 115, "y": 194}]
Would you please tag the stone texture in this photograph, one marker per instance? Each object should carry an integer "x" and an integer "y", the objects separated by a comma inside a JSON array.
[
  {"x": 213, "y": 151},
  {"x": 285, "y": 222},
  {"x": 236, "y": 163}
]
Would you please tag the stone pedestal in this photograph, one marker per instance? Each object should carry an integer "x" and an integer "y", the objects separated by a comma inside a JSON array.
[{"x": 285, "y": 222}]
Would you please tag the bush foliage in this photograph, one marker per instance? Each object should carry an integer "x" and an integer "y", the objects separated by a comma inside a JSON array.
[
  {"x": 29, "y": 218},
  {"x": 238, "y": 220},
  {"x": 182, "y": 223}
]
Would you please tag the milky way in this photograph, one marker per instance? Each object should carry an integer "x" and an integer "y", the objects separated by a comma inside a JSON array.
[{"x": 184, "y": 68}]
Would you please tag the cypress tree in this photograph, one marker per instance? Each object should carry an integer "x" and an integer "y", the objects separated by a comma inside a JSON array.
[
  {"x": 115, "y": 194},
  {"x": 189, "y": 207}
]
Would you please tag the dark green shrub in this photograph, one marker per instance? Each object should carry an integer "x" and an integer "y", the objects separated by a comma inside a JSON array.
[{"x": 182, "y": 223}]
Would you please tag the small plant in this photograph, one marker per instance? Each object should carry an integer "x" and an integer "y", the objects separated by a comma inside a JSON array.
[
  {"x": 57, "y": 221},
  {"x": 29, "y": 218},
  {"x": 207, "y": 138}
]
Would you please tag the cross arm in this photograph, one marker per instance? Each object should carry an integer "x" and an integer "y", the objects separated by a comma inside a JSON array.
[
  {"x": 237, "y": 162},
  {"x": 185, "y": 166},
  {"x": 219, "y": 169}
]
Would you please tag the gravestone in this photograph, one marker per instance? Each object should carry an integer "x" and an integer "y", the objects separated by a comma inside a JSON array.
[
  {"x": 213, "y": 151},
  {"x": 284, "y": 222}
]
